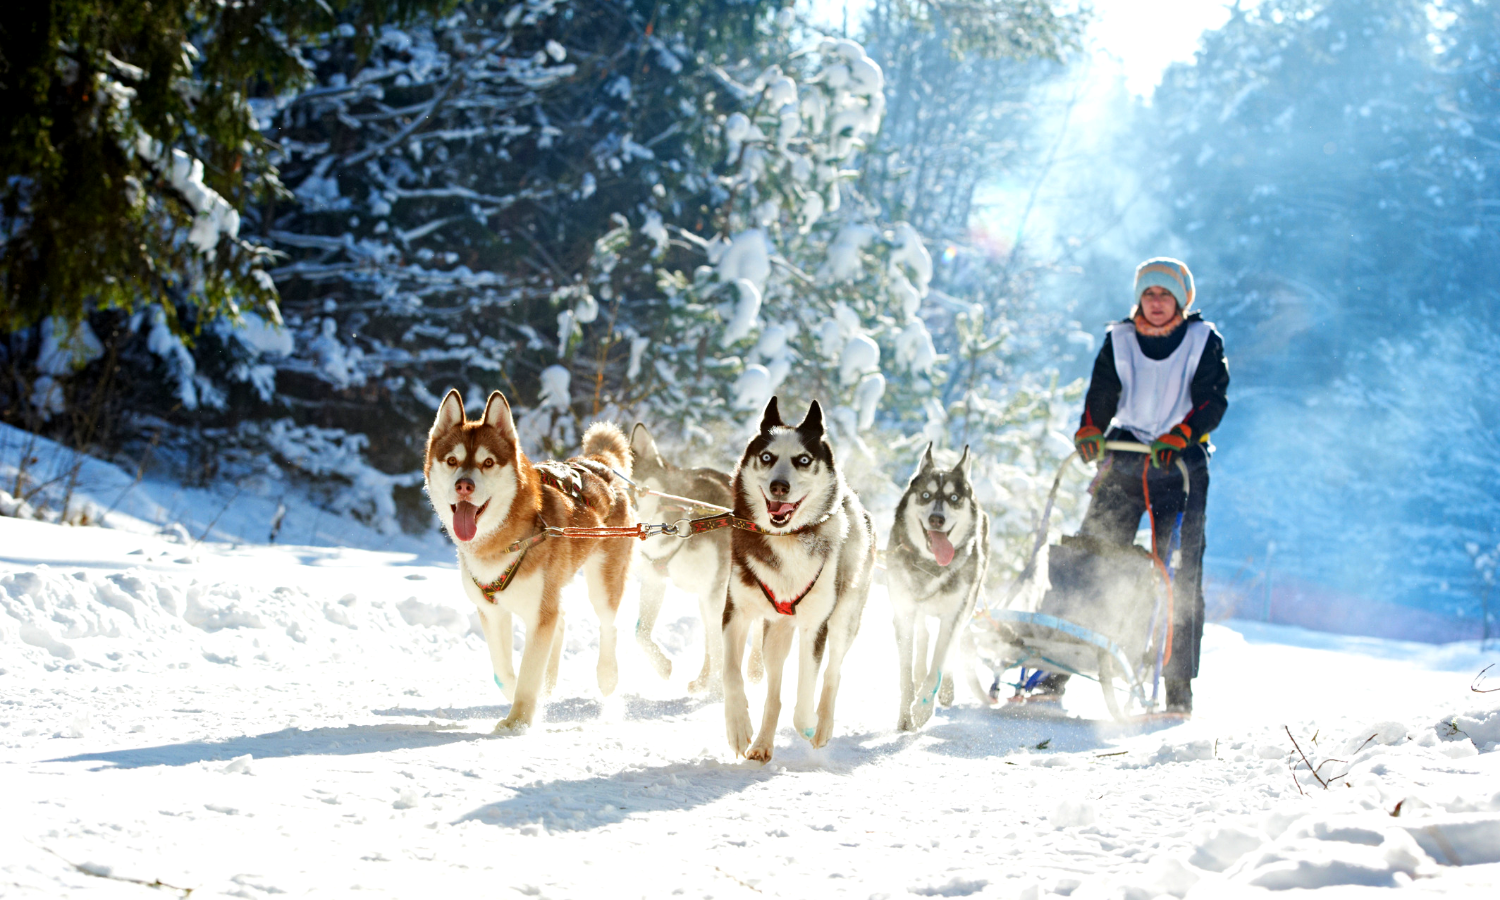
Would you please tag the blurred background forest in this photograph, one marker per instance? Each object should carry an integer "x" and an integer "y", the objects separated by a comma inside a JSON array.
[{"x": 250, "y": 246}]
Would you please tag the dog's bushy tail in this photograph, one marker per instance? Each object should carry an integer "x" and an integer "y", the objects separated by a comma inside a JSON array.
[{"x": 606, "y": 441}]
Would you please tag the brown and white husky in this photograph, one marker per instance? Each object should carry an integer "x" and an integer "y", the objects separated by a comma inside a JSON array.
[{"x": 488, "y": 496}]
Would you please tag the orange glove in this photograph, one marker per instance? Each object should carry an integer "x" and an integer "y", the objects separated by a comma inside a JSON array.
[
  {"x": 1090, "y": 443},
  {"x": 1174, "y": 441}
]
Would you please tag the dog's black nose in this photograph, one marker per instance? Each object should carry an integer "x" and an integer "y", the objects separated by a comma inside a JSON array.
[
  {"x": 464, "y": 487},
  {"x": 935, "y": 521},
  {"x": 780, "y": 488}
]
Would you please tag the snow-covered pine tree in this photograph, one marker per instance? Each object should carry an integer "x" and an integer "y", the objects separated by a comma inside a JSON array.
[{"x": 968, "y": 88}]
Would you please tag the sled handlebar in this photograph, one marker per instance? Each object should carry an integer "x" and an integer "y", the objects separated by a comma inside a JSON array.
[{"x": 1136, "y": 447}]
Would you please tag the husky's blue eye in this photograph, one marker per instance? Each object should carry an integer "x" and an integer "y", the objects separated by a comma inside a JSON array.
[
  {"x": 926, "y": 495},
  {"x": 803, "y": 460},
  {"x": 767, "y": 458},
  {"x": 952, "y": 498}
]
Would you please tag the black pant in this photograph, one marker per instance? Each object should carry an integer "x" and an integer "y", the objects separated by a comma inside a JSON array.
[{"x": 1114, "y": 515}]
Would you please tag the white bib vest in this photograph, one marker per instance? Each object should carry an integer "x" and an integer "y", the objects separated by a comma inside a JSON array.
[{"x": 1155, "y": 394}]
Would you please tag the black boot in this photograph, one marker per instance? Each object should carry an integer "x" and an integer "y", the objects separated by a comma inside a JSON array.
[{"x": 1179, "y": 696}]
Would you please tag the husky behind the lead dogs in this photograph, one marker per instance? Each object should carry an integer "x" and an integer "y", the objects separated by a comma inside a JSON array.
[
  {"x": 488, "y": 496},
  {"x": 804, "y": 569},
  {"x": 940, "y": 552},
  {"x": 699, "y": 565}
]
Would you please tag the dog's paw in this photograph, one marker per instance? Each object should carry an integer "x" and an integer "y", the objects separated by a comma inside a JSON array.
[
  {"x": 945, "y": 693},
  {"x": 761, "y": 752},
  {"x": 713, "y": 687},
  {"x": 655, "y": 656},
  {"x": 824, "y": 732},
  {"x": 904, "y": 722},
  {"x": 921, "y": 710},
  {"x": 737, "y": 726},
  {"x": 609, "y": 677},
  {"x": 511, "y": 726},
  {"x": 805, "y": 721}
]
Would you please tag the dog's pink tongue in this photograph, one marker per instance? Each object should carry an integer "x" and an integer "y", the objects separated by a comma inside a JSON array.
[
  {"x": 463, "y": 521},
  {"x": 940, "y": 547},
  {"x": 779, "y": 509}
]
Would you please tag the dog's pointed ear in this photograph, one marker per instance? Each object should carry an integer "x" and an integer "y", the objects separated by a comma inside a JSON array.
[
  {"x": 965, "y": 464},
  {"x": 927, "y": 461},
  {"x": 497, "y": 416},
  {"x": 771, "y": 418},
  {"x": 812, "y": 423},
  {"x": 642, "y": 444},
  {"x": 450, "y": 413}
]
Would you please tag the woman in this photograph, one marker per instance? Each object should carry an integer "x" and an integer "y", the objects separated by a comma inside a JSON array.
[{"x": 1160, "y": 379}]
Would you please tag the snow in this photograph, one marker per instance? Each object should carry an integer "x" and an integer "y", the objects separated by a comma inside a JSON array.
[
  {"x": 753, "y": 387},
  {"x": 555, "y": 386},
  {"x": 747, "y": 256},
  {"x": 844, "y": 252},
  {"x": 214, "y": 216},
  {"x": 867, "y": 398},
  {"x": 65, "y": 349},
  {"x": 861, "y": 354},
  {"x": 746, "y": 313},
  {"x": 911, "y": 254},
  {"x": 250, "y": 720},
  {"x": 263, "y": 338},
  {"x": 179, "y": 361}
]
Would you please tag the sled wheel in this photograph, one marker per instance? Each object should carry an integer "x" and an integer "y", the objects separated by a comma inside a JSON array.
[{"x": 1117, "y": 698}]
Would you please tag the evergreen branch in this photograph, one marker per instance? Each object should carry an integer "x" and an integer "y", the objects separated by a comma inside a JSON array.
[{"x": 455, "y": 80}]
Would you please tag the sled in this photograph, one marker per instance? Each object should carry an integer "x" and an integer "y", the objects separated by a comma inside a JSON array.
[{"x": 1105, "y": 615}]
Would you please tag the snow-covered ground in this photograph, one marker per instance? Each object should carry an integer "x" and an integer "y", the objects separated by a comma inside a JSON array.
[{"x": 253, "y": 720}]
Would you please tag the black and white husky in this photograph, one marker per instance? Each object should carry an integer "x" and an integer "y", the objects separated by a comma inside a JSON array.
[
  {"x": 805, "y": 569},
  {"x": 699, "y": 565},
  {"x": 938, "y": 557}
]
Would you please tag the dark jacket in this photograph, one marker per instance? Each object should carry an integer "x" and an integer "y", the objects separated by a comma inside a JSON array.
[{"x": 1210, "y": 386}]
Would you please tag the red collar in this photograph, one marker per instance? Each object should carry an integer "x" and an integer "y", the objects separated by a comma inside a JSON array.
[{"x": 787, "y": 608}]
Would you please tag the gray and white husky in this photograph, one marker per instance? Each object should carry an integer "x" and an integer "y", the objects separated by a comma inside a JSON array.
[
  {"x": 805, "y": 570},
  {"x": 935, "y": 567},
  {"x": 699, "y": 565}
]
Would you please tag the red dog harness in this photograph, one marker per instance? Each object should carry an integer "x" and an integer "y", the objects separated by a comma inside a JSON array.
[{"x": 785, "y": 607}]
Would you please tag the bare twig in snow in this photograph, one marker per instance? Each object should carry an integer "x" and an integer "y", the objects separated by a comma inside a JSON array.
[
  {"x": 1304, "y": 760},
  {"x": 100, "y": 872},
  {"x": 1479, "y": 679}
]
